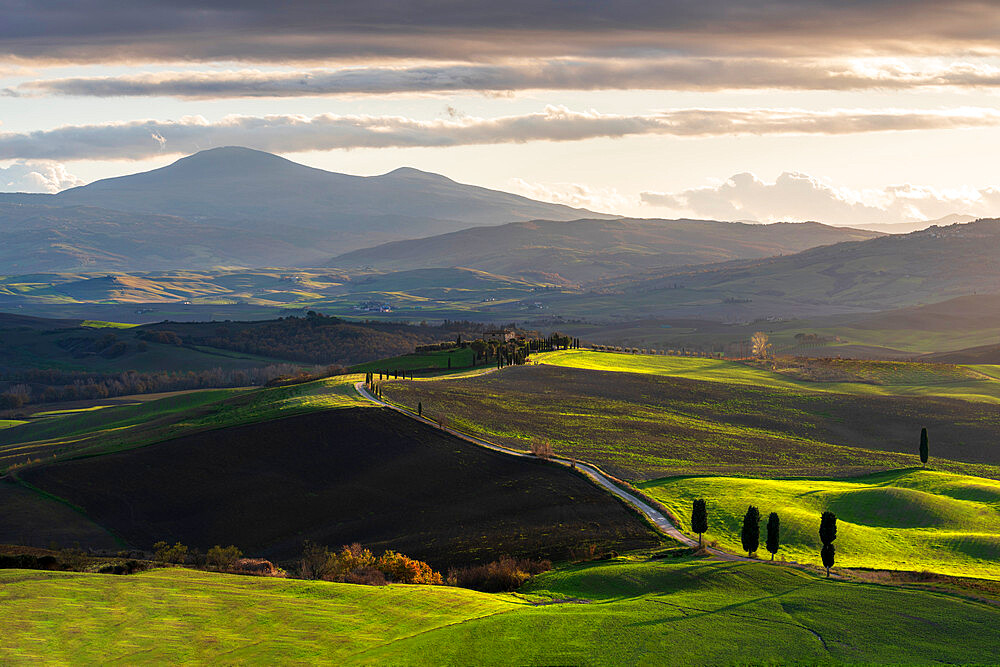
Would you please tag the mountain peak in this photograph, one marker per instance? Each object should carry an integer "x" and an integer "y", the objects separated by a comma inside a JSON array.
[
  {"x": 228, "y": 155},
  {"x": 414, "y": 174}
]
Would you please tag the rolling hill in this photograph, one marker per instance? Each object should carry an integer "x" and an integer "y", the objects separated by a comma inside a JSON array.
[
  {"x": 245, "y": 207},
  {"x": 335, "y": 477},
  {"x": 591, "y": 250},
  {"x": 882, "y": 273}
]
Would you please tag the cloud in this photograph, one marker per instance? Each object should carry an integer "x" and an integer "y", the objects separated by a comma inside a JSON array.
[
  {"x": 577, "y": 195},
  {"x": 799, "y": 197},
  {"x": 291, "y": 133},
  {"x": 36, "y": 176},
  {"x": 254, "y": 30},
  {"x": 618, "y": 74}
]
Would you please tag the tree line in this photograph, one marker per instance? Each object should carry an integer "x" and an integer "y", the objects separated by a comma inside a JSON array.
[
  {"x": 750, "y": 532},
  {"x": 25, "y": 387}
]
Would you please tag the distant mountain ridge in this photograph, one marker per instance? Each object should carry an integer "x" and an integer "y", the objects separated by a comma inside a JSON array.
[
  {"x": 589, "y": 250},
  {"x": 237, "y": 206},
  {"x": 885, "y": 272}
]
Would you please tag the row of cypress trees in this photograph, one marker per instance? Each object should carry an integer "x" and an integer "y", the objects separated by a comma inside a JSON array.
[{"x": 750, "y": 534}]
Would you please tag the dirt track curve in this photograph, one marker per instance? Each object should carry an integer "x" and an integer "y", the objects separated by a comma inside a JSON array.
[{"x": 593, "y": 473}]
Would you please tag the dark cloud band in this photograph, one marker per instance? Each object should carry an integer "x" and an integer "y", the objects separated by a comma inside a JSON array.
[
  {"x": 106, "y": 30},
  {"x": 662, "y": 74},
  {"x": 291, "y": 133}
]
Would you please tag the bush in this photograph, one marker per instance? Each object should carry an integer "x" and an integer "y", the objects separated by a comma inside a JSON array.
[
  {"x": 367, "y": 576},
  {"x": 504, "y": 575},
  {"x": 170, "y": 554},
  {"x": 255, "y": 567},
  {"x": 223, "y": 558},
  {"x": 404, "y": 570},
  {"x": 355, "y": 564},
  {"x": 542, "y": 448},
  {"x": 126, "y": 567},
  {"x": 315, "y": 562}
]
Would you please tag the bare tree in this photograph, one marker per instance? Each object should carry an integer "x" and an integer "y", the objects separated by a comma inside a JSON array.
[
  {"x": 542, "y": 448},
  {"x": 759, "y": 345}
]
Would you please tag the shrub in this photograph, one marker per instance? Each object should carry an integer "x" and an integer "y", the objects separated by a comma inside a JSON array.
[
  {"x": 223, "y": 558},
  {"x": 170, "y": 554},
  {"x": 354, "y": 564},
  {"x": 504, "y": 575},
  {"x": 405, "y": 570},
  {"x": 315, "y": 562},
  {"x": 367, "y": 576},
  {"x": 126, "y": 567},
  {"x": 542, "y": 448},
  {"x": 255, "y": 567}
]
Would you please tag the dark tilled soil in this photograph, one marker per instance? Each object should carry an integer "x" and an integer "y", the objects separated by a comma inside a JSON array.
[{"x": 355, "y": 475}]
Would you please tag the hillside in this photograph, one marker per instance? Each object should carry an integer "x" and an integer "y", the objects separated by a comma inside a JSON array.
[
  {"x": 686, "y": 611},
  {"x": 904, "y": 519},
  {"x": 364, "y": 475},
  {"x": 935, "y": 264},
  {"x": 641, "y": 417},
  {"x": 591, "y": 250},
  {"x": 244, "y": 207}
]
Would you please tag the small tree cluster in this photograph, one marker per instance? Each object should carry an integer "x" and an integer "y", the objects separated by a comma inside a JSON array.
[
  {"x": 504, "y": 575},
  {"x": 222, "y": 558},
  {"x": 358, "y": 565},
  {"x": 165, "y": 553},
  {"x": 542, "y": 448}
]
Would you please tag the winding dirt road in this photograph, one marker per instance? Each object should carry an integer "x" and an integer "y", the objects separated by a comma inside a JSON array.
[{"x": 595, "y": 475}]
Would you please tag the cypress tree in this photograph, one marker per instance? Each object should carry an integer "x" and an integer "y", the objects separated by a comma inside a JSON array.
[
  {"x": 699, "y": 518},
  {"x": 420, "y": 409},
  {"x": 773, "y": 533},
  {"x": 750, "y": 535},
  {"x": 449, "y": 362},
  {"x": 827, "y": 534},
  {"x": 924, "y": 450},
  {"x": 828, "y": 553}
]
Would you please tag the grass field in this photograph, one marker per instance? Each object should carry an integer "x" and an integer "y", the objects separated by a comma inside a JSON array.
[
  {"x": 335, "y": 477},
  {"x": 89, "y": 432},
  {"x": 175, "y": 615},
  {"x": 874, "y": 378},
  {"x": 645, "y": 425},
  {"x": 679, "y": 612},
  {"x": 907, "y": 520}
]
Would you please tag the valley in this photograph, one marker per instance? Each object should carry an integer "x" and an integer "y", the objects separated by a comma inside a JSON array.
[{"x": 197, "y": 400}]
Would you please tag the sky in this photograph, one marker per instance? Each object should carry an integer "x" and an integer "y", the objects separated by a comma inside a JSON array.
[{"x": 841, "y": 111}]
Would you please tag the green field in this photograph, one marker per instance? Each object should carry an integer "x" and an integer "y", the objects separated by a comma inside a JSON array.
[
  {"x": 906, "y": 520},
  {"x": 675, "y": 611},
  {"x": 113, "y": 428},
  {"x": 645, "y": 426},
  {"x": 177, "y": 615},
  {"x": 972, "y": 383}
]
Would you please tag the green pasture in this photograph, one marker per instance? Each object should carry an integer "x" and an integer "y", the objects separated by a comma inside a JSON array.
[
  {"x": 121, "y": 427},
  {"x": 905, "y": 520},
  {"x": 642, "y": 426},
  {"x": 177, "y": 615},
  {"x": 972, "y": 383},
  {"x": 627, "y": 611},
  {"x": 100, "y": 324},
  {"x": 10, "y": 423}
]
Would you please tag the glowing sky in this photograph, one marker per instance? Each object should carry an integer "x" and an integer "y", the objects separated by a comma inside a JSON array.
[{"x": 839, "y": 111}]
